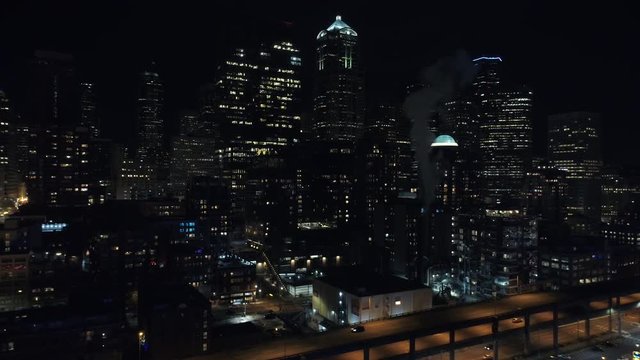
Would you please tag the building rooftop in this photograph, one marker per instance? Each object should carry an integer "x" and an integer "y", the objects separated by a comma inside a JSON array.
[
  {"x": 444, "y": 141},
  {"x": 339, "y": 26},
  {"x": 488, "y": 58},
  {"x": 362, "y": 282}
]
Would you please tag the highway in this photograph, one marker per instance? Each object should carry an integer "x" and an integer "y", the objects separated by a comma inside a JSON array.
[
  {"x": 376, "y": 329},
  {"x": 623, "y": 347},
  {"x": 432, "y": 319}
]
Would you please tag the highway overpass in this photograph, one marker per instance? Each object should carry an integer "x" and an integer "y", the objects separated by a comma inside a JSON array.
[{"x": 445, "y": 330}]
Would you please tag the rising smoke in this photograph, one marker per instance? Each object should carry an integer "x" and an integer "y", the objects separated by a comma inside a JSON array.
[{"x": 441, "y": 81}]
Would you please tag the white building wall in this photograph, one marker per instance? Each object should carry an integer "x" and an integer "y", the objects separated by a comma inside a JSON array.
[
  {"x": 384, "y": 306},
  {"x": 326, "y": 302}
]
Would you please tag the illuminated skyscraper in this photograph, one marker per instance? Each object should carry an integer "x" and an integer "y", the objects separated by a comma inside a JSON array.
[
  {"x": 505, "y": 115},
  {"x": 141, "y": 173},
  {"x": 278, "y": 93},
  {"x": 617, "y": 193},
  {"x": 52, "y": 90},
  {"x": 88, "y": 115},
  {"x": 192, "y": 154},
  {"x": 9, "y": 179},
  {"x": 339, "y": 87},
  {"x": 270, "y": 203},
  {"x": 234, "y": 114},
  {"x": 65, "y": 166},
  {"x": 150, "y": 121},
  {"x": 256, "y": 97},
  {"x": 574, "y": 146},
  {"x": 460, "y": 119}
]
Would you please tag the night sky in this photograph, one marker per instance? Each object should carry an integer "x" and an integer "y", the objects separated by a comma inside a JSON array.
[{"x": 577, "y": 56}]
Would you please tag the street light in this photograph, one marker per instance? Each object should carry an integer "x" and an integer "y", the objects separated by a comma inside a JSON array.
[{"x": 141, "y": 341}]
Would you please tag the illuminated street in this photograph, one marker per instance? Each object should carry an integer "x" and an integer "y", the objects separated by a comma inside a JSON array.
[{"x": 540, "y": 339}]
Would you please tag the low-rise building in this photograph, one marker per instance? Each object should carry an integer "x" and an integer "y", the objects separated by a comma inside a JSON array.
[
  {"x": 235, "y": 280},
  {"x": 587, "y": 261},
  {"x": 352, "y": 295}
]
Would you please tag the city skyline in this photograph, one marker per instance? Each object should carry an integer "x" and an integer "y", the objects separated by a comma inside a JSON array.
[
  {"x": 188, "y": 55},
  {"x": 205, "y": 182}
]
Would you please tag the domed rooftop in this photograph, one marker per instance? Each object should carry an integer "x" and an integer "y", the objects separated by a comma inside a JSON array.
[
  {"x": 339, "y": 26},
  {"x": 444, "y": 141}
]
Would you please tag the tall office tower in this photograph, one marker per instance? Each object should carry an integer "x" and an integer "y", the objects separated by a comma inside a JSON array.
[
  {"x": 192, "y": 155},
  {"x": 65, "y": 166},
  {"x": 386, "y": 120},
  {"x": 278, "y": 91},
  {"x": 381, "y": 179},
  {"x": 546, "y": 189},
  {"x": 444, "y": 153},
  {"x": 52, "y": 99},
  {"x": 10, "y": 182},
  {"x": 189, "y": 123},
  {"x": 208, "y": 202},
  {"x": 236, "y": 120},
  {"x": 574, "y": 146},
  {"x": 460, "y": 119},
  {"x": 506, "y": 134},
  {"x": 206, "y": 110},
  {"x": 102, "y": 166},
  {"x": 376, "y": 192},
  {"x": 28, "y": 161},
  {"x": 88, "y": 114},
  {"x": 150, "y": 158},
  {"x": 270, "y": 198},
  {"x": 339, "y": 87},
  {"x": 407, "y": 176},
  {"x": 617, "y": 193},
  {"x": 149, "y": 116},
  {"x": 325, "y": 182},
  {"x": 134, "y": 178},
  {"x": 52, "y": 91},
  {"x": 271, "y": 206}
]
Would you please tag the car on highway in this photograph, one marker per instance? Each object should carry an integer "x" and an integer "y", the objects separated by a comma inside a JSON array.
[
  {"x": 357, "y": 329},
  {"x": 516, "y": 320},
  {"x": 488, "y": 347},
  {"x": 487, "y": 357},
  {"x": 560, "y": 356},
  {"x": 609, "y": 343}
]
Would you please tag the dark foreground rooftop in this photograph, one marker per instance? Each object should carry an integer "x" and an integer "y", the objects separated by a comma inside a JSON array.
[{"x": 363, "y": 282}]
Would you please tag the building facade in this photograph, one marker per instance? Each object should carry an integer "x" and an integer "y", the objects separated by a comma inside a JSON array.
[
  {"x": 504, "y": 115},
  {"x": 574, "y": 146},
  {"x": 339, "y": 88},
  {"x": 366, "y": 296}
]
